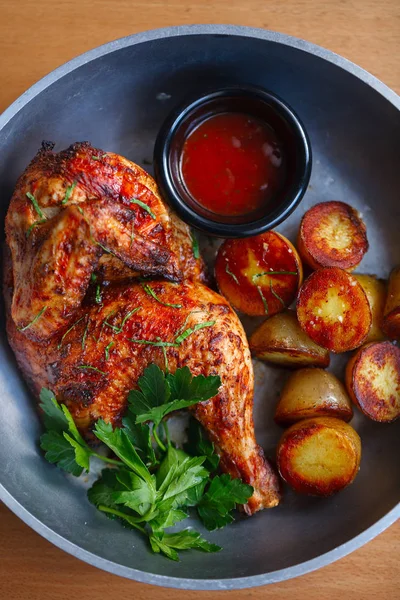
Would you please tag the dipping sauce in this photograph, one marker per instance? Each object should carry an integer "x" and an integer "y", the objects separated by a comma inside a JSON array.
[{"x": 232, "y": 164}]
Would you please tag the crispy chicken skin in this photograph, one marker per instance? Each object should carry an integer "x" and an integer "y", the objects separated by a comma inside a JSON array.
[
  {"x": 92, "y": 353},
  {"x": 82, "y": 210}
]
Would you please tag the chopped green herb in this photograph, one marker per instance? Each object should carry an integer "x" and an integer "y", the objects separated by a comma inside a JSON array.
[
  {"x": 36, "y": 205},
  {"x": 185, "y": 334},
  {"x": 98, "y": 294},
  {"x": 68, "y": 330},
  {"x": 99, "y": 157},
  {"x": 236, "y": 280},
  {"x": 182, "y": 327},
  {"x": 107, "y": 349},
  {"x": 91, "y": 368},
  {"x": 264, "y": 301},
  {"x": 40, "y": 313},
  {"x": 68, "y": 192},
  {"x": 275, "y": 294},
  {"x": 152, "y": 293},
  {"x": 144, "y": 206},
  {"x": 195, "y": 246},
  {"x": 164, "y": 351},
  {"x": 85, "y": 335},
  {"x": 132, "y": 234},
  {"x": 124, "y": 320},
  {"x": 80, "y": 210},
  {"x": 93, "y": 278},
  {"x": 273, "y": 273},
  {"x": 159, "y": 343},
  {"x": 34, "y": 224}
]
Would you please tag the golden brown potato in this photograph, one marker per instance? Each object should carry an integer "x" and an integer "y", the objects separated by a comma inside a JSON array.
[
  {"x": 391, "y": 316},
  {"x": 319, "y": 456},
  {"x": 312, "y": 393},
  {"x": 375, "y": 290},
  {"x": 259, "y": 275},
  {"x": 332, "y": 234},
  {"x": 281, "y": 340},
  {"x": 373, "y": 381},
  {"x": 333, "y": 309}
]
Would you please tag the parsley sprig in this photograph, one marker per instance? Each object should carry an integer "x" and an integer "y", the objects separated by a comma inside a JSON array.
[{"x": 151, "y": 485}]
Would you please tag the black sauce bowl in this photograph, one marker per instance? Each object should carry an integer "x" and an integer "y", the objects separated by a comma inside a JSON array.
[{"x": 255, "y": 102}]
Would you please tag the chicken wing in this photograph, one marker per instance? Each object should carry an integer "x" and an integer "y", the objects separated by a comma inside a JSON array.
[{"x": 69, "y": 210}]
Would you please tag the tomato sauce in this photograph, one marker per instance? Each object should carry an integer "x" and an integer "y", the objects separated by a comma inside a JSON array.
[{"x": 232, "y": 164}]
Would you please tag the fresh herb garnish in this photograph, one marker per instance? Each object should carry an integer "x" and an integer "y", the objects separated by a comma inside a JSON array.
[
  {"x": 264, "y": 301},
  {"x": 68, "y": 330},
  {"x": 152, "y": 293},
  {"x": 91, "y": 368},
  {"x": 195, "y": 246},
  {"x": 99, "y": 157},
  {"x": 40, "y": 313},
  {"x": 124, "y": 320},
  {"x": 178, "y": 340},
  {"x": 185, "y": 334},
  {"x": 143, "y": 205},
  {"x": 68, "y": 192},
  {"x": 273, "y": 273},
  {"x": 236, "y": 280},
  {"x": 36, "y": 205},
  {"x": 107, "y": 349},
  {"x": 93, "y": 278},
  {"x": 85, "y": 335},
  {"x": 80, "y": 209},
  {"x": 158, "y": 395},
  {"x": 150, "y": 490},
  {"x": 98, "y": 294},
  {"x": 274, "y": 293},
  {"x": 34, "y": 224}
]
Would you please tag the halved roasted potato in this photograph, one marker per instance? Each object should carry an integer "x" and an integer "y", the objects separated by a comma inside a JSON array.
[
  {"x": 319, "y": 456},
  {"x": 375, "y": 290},
  {"x": 333, "y": 309},
  {"x": 259, "y": 275},
  {"x": 281, "y": 340},
  {"x": 332, "y": 234},
  {"x": 373, "y": 381},
  {"x": 312, "y": 393},
  {"x": 391, "y": 315}
]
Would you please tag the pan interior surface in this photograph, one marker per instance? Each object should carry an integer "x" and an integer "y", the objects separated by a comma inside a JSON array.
[{"x": 118, "y": 101}]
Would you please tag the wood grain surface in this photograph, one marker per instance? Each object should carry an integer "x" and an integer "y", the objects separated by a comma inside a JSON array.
[{"x": 38, "y": 35}]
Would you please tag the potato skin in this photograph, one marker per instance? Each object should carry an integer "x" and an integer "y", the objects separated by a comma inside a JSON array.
[
  {"x": 332, "y": 234},
  {"x": 375, "y": 290},
  {"x": 242, "y": 270},
  {"x": 280, "y": 340},
  {"x": 312, "y": 393},
  {"x": 333, "y": 309},
  {"x": 391, "y": 315},
  {"x": 319, "y": 456},
  {"x": 373, "y": 381}
]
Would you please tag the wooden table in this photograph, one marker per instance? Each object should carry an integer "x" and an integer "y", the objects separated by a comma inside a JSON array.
[{"x": 38, "y": 35}]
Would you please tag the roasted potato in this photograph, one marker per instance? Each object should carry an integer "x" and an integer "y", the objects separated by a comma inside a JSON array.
[
  {"x": 259, "y": 275},
  {"x": 319, "y": 456},
  {"x": 391, "y": 315},
  {"x": 375, "y": 290},
  {"x": 332, "y": 234},
  {"x": 373, "y": 381},
  {"x": 333, "y": 309},
  {"x": 281, "y": 340},
  {"x": 312, "y": 393}
]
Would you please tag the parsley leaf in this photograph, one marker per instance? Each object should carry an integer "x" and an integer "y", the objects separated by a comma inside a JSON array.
[
  {"x": 59, "y": 451},
  {"x": 140, "y": 437},
  {"x": 168, "y": 543},
  {"x": 159, "y": 394},
  {"x": 120, "y": 443},
  {"x": 221, "y": 498},
  {"x": 199, "y": 444}
]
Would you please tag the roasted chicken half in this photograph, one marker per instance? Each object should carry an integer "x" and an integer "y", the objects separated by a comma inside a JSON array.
[{"x": 96, "y": 339}]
